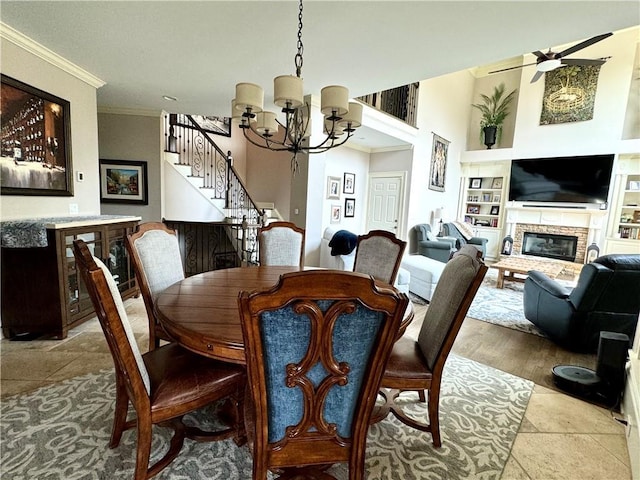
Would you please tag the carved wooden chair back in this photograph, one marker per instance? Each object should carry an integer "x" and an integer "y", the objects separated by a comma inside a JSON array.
[
  {"x": 281, "y": 244},
  {"x": 157, "y": 263},
  {"x": 379, "y": 253},
  {"x": 163, "y": 384},
  {"x": 316, "y": 345},
  {"x": 417, "y": 366}
]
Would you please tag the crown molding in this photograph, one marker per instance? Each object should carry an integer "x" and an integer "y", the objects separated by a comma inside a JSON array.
[{"x": 14, "y": 36}]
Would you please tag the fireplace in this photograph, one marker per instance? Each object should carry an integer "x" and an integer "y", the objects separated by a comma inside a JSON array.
[
  {"x": 585, "y": 224},
  {"x": 559, "y": 247}
]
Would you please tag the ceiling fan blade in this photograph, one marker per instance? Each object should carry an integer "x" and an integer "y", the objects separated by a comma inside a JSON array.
[
  {"x": 512, "y": 68},
  {"x": 582, "y": 61},
  {"x": 581, "y": 45},
  {"x": 536, "y": 76},
  {"x": 540, "y": 55}
]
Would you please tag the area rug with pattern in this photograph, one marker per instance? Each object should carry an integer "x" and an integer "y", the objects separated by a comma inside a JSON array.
[
  {"x": 500, "y": 306},
  {"x": 62, "y": 431}
]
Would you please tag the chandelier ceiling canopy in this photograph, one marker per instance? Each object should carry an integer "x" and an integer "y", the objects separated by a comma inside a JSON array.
[{"x": 263, "y": 129}]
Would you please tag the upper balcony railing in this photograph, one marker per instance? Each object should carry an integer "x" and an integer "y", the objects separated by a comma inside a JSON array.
[{"x": 401, "y": 102}]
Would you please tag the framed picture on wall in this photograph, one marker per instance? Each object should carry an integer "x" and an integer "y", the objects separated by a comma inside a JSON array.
[
  {"x": 349, "y": 185},
  {"x": 438, "y": 165},
  {"x": 333, "y": 187},
  {"x": 123, "y": 181},
  {"x": 349, "y": 207},
  {"x": 336, "y": 213},
  {"x": 36, "y": 141}
]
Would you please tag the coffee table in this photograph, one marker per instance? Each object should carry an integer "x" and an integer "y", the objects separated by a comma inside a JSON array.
[{"x": 510, "y": 266}]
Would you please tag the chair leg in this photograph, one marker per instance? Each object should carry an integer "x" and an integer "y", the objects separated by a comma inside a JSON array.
[
  {"x": 143, "y": 450},
  {"x": 174, "y": 447},
  {"x": 120, "y": 414},
  {"x": 434, "y": 416}
]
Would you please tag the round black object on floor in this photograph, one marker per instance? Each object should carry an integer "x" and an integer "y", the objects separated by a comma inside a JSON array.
[{"x": 577, "y": 380}]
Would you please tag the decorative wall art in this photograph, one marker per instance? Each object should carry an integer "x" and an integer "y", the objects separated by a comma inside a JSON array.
[
  {"x": 217, "y": 125},
  {"x": 349, "y": 185},
  {"x": 333, "y": 187},
  {"x": 349, "y": 207},
  {"x": 336, "y": 213},
  {"x": 438, "y": 167},
  {"x": 35, "y": 141},
  {"x": 123, "y": 181},
  {"x": 569, "y": 94}
]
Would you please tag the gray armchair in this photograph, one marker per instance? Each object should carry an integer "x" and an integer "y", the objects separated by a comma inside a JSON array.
[
  {"x": 449, "y": 230},
  {"x": 425, "y": 243},
  {"x": 606, "y": 298}
]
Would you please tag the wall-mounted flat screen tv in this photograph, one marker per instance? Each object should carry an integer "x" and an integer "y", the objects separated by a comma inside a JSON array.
[{"x": 561, "y": 179}]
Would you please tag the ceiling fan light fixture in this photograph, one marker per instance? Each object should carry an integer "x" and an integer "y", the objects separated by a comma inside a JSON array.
[{"x": 548, "y": 65}]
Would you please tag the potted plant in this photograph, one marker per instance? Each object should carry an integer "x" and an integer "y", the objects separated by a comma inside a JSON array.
[{"x": 494, "y": 110}]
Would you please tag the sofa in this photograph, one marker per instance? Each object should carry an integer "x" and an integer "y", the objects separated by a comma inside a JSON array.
[
  {"x": 606, "y": 298},
  {"x": 424, "y": 242},
  {"x": 345, "y": 261}
]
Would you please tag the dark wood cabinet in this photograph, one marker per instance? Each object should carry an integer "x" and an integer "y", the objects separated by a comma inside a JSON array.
[{"x": 43, "y": 294}]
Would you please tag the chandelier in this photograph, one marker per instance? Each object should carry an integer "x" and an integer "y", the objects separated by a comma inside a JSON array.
[{"x": 264, "y": 130}]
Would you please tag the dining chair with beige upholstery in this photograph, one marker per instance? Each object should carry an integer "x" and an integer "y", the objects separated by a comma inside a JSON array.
[
  {"x": 312, "y": 387},
  {"x": 157, "y": 263},
  {"x": 418, "y": 365},
  {"x": 281, "y": 244},
  {"x": 162, "y": 385},
  {"x": 379, "y": 254}
]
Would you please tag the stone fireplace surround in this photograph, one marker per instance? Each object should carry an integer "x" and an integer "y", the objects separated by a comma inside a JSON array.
[
  {"x": 580, "y": 232},
  {"x": 584, "y": 223}
]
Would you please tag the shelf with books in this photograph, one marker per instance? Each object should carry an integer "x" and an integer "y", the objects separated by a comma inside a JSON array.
[{"x": 483, "y": 201}]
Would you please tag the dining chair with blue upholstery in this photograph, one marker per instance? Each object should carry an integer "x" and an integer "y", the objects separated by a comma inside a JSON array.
[
  {"x": 163, "y": 384},
  {"x": 379, "y": 253},
  {"x": 313, "y": 387},
  {"x": 157, "y": 263},
  {"x": 418, "y": 365},
  {"x": 281, "y": 244}
]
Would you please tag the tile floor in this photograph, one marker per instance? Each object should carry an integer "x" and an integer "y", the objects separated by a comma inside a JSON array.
[{"x": 560, "y": 438}]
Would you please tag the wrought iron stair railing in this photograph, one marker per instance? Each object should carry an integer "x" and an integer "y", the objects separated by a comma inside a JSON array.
[
  {"x": 198, "y": 150},
  {"x": 401, "y": 102}
]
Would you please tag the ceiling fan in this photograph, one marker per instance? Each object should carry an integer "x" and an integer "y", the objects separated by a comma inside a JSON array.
[{"x": 549, "y": 61}]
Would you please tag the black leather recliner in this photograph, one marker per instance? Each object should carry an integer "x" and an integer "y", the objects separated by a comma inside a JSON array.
[{"x": 606, "y": 298}]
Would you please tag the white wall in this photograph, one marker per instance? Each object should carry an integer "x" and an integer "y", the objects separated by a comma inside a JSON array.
[
  {"x": 22, "y": 65},
  {"x": 443, "y": 109}
]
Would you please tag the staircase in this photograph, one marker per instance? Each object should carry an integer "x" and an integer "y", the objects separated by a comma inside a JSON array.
[{"x": 226, "y": 234}]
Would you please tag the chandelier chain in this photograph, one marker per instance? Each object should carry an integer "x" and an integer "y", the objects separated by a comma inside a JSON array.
[{"x": 298, "y": 59}]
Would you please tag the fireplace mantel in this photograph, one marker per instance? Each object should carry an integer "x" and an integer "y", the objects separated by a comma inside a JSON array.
[{"x": 592, "y": 219}]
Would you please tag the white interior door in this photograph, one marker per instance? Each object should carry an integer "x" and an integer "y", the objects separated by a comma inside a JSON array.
[{"x": 385, "y": 202}]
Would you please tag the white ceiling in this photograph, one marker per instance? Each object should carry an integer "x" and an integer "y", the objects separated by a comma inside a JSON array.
[{"x": 198, "y": 51}]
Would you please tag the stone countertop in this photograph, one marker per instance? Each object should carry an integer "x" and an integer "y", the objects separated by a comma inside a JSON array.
[{"x": 32, "y": 232}]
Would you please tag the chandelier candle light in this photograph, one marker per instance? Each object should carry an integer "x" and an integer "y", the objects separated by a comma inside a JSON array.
[{"x": 260, "y": 127}]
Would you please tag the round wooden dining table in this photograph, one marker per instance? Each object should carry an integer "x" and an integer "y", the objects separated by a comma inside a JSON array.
[{"x": 201, "y": 312}]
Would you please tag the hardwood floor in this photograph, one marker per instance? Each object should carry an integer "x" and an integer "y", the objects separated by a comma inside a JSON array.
[{"x": 522, "y": 354}]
